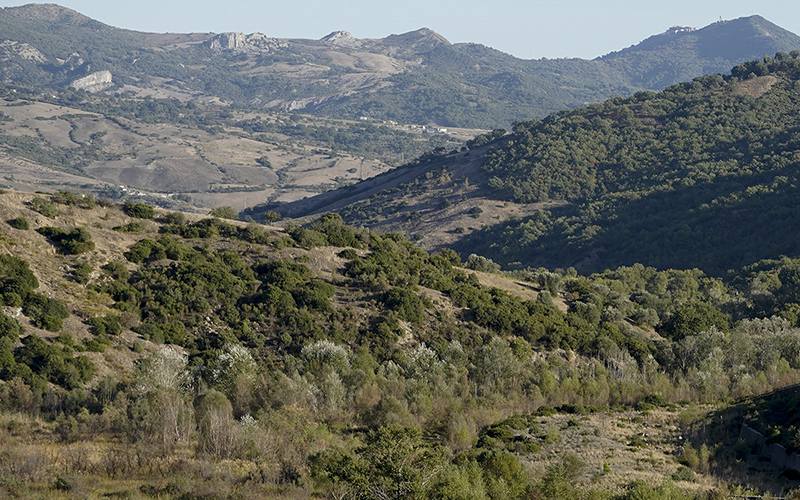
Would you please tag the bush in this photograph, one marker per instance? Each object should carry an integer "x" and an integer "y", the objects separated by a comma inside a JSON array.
[
  {"x": 45, "y": 207},
  {"x": 131, "y": 227},
  {"x": 480, "y": 263},
  {"x": 73, "y": 242},
  {"x": 107, "y": 325},
  {"x": 19, "y": 223},
  {"x": 225, "y": 212},
  {"x": 9, "y": 328},
  {"x": 82, "y": 272},
  {"x": 138, "y": 210},
  {"x": 46, "y": 313},
  {"x": 684, "y": 474},
  {"x": 348, "y": 253},
  {"x": 408, "y": 305}
]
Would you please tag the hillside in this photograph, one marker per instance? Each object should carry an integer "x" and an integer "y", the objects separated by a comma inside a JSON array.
[
  {"x": 190, "y": 155},
  {"x": 414, "y": 78},
  {"x": 683, "y": 53},
  {"x": 699, "y": 175},
  {"x": 147, "y": 353}
]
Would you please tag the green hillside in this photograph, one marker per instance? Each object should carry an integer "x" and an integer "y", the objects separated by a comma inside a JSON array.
[
  {"x": 703, "y": 174},
  {"x": 683, "y": 53}
]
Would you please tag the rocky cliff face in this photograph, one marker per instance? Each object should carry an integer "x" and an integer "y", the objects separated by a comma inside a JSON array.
[
  {"x": 241, "y": 42},
  {"x": 97, "y": 81}
]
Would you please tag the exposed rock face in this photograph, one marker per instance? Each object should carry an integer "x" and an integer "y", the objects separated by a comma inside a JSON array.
[
  {"x": 25, "y": 51},
  {"x": 256, "y": 42},
  {"x": 753, "y": 438},
  {"x": 342, "y": 39},
  {"x": 95, "y": 82},
  {"x": 775, "y": 452},
  {"x": 73, "y": 62},
  {"x": 228, "y": 41}
]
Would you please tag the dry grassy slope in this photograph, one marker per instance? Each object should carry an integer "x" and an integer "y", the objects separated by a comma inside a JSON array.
[
  {"x": 605, "y": 438},
  {"x": 170, "y": 159},
  {"x": 433, "y": 203}
]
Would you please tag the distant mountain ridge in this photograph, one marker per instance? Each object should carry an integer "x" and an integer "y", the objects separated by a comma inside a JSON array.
[
  {"x": 416, "y": 77},
  {"x": 713, "y": 49}
]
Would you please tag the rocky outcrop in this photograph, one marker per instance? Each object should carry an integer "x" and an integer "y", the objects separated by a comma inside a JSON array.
[
  {"x": 754, "y": 439},
  {"x": 256, "y": 42},
  {"x": 342, "y": 39},
  {"x": 775, "y": 452},
  {"x": 95, "y": 82},
  {"x": 23, "y": 50}
]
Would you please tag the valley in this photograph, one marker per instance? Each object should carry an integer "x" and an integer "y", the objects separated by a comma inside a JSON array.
[{"x": 234, "y": 266}]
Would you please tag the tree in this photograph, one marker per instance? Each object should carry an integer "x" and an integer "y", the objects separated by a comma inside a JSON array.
[
  {"x": 225, "y": 212},
  {"x": 693, "y": 318},
  {"x": 215, "y": 424},
  {"x": 138, "y": 210}
]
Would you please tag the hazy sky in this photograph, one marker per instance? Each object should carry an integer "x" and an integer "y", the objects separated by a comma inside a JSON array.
[{"x": 527, "y": 29}]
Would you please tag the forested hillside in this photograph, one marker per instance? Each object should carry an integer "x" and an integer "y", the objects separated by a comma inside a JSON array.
[
  {"x": 702, "y": 175},
  {"x": 147, "y": 354}
]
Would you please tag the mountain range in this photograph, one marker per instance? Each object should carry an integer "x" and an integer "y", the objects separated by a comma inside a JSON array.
[{"x": 416, "y": 77}]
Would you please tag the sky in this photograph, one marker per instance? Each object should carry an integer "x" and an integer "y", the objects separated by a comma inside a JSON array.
[{"x": 526, "y": 29}]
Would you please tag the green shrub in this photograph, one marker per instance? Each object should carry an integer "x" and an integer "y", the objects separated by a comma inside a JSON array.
[
  {"x": 46, "y": 313},
  {"x": 348, "y": 253},
  {"x": 82, "y": 272},
  {"x": 19, "y": 223},
  {"x": 45, "y": 207},
  {"x": 408, "y": 305},
  {"x": 684, "y": 474},
  {"x": 138, "y": 210},
  {"x": 135, "y": 227},
  {"x": 225, "y": 213},
  {"x": 9, "y": 327},
  {"x": 106, "y": 325},
  {"x": 73, "y": 242}
]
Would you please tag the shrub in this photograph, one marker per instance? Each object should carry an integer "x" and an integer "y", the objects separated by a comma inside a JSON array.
[
  {"x": 73, "y": 242},
  {"x": 131, "y": 227},
  {"x": 348, "y": 253},
  {"x": 480, "y": 263},
  {"x": 107, "y": 325},
  {"x": 82, "y": 272},
  {"x": 408, "y": 305},
  {"x": 138, "y": 210},
  {"x": 19, "y": 223},
  {"x": 684, "y": 474},
  {"x": 45, "y": 312},
  {"x": 45, "y": 207},
  {"x": 225, "y": 212}
]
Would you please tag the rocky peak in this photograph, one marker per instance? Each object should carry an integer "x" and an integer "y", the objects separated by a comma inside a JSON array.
[
  {"x": 421, "y": 39},
  {"x": 341, "y": 39},
  {"x": 227, "y": 41}
]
